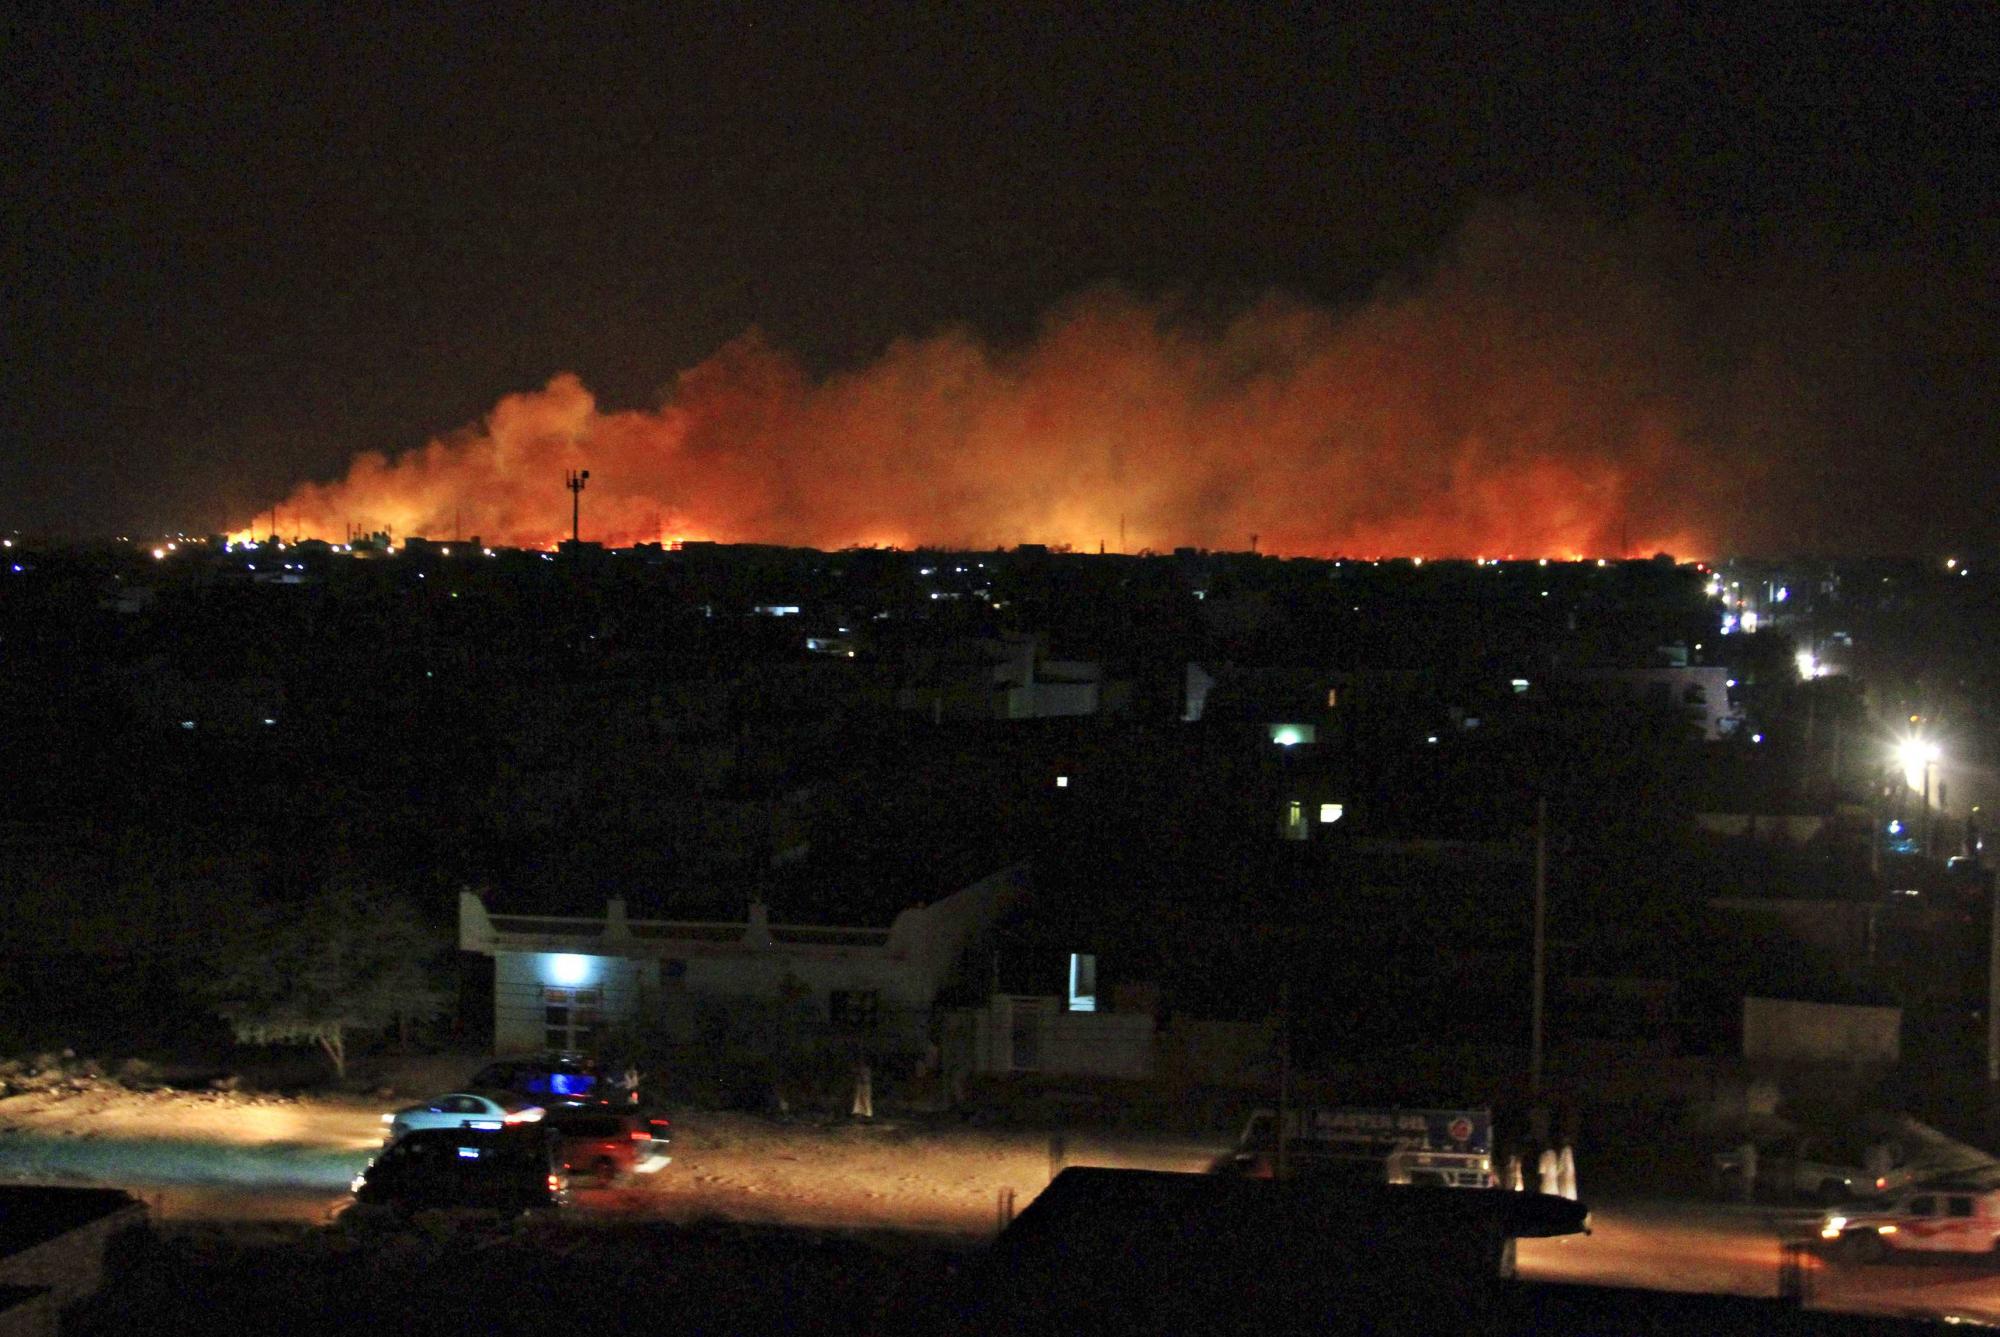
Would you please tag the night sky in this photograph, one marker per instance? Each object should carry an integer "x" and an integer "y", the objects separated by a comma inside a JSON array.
[{"x": 245, "y": 244}]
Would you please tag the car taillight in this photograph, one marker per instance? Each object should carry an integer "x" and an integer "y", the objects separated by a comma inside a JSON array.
[
  {"x": 642, "y": 1135},
  {"x": 661, "y": 1127},
  {"x": 555, "y": 1182}
]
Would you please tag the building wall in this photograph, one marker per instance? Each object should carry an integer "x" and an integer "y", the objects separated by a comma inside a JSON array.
[
  {"x": 522, "y": 981},
  {"x": 1198, "y": 1051},
  {"x": 663, "y": 972},
  {"x": 29, "y": 1313},
  {"x": 1700, "y": 694},
  {"x": 70, "y": 1265},
  {"x": 1032, "y": 1035},
  {"x": 1784, "y": 1030},
  {"x": 1789, "y": 828}
]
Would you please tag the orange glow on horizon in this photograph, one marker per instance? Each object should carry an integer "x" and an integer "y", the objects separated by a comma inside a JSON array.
[{"x": 1524, "y": 400}]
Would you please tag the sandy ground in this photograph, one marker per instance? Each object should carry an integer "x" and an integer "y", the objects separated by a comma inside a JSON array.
[
  {"x": 245, "y": 1156},
  {"x": 227, "y": 1156}
]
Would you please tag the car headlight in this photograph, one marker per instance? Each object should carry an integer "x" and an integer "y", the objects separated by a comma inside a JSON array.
[
  {"x": 388, "y": 1118},
  {"x": 1834, "y": 1225}
]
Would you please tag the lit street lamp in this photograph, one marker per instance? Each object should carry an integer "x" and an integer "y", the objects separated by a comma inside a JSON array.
[{"x": 1918, "y": 756}]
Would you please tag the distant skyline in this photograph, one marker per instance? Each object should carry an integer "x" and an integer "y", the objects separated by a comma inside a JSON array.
[{"x": 1425, "y": 278}]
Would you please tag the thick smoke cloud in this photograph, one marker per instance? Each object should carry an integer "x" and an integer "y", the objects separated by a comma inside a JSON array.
[{"x": 1536, "y": 393}]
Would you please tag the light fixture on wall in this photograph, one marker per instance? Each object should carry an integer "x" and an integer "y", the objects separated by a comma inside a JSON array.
[{"x": 569, "y": 969}]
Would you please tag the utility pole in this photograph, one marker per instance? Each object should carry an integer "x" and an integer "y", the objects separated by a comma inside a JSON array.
[
  {"x": 1924, "y": 847},
  {"x": 574, "y": 481},
  {"x": 1541, "y": 946},
  {"x": 1993, "y": 992},
  {"x": 1280, "y": 1163}
]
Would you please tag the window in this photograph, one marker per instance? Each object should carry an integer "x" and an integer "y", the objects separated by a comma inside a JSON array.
[
  {"x": 1293, "y": 826},
  {"x": 1331, "y": 812},
  {"x": 1958, "y": 1206},
  {"x": 1082, "y": 982},
  {"x": 1332, "y": 698},
  {"x": 571, "y": 1018},
  {"x": 1924, "y": 1206}
]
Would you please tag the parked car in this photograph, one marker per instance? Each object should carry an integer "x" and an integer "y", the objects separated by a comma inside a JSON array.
[
  {"x": 1807, "y": 1168},
  {"x": 509, "y": 1169},
  {"x": 612, "y": 1144},
  {"x": 1938, "y": 1219},
  {"x": 551, "y": 1081},
  {"x": 463, "y": 1109}
]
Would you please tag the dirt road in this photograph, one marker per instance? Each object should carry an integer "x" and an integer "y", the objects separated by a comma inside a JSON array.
[{"x": 225, "y": 1155}]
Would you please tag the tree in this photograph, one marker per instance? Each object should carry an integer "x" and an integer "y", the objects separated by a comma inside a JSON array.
[{"x": 352, "y": 958}]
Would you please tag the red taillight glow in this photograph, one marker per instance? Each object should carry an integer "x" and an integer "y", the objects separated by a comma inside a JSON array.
[
  {"x": 642, "y": 1135},
  {"x": 555, "y": 1183}
]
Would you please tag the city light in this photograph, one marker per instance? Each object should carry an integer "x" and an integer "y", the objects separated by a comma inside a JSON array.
[{"x": 1916, "y": 754}]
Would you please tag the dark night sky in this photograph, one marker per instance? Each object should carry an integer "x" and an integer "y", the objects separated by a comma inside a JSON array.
[{"x": 241, "y": 246}]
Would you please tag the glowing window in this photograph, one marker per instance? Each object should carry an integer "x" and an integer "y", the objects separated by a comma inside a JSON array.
[
  {"x": 1062, "y": 782},
  {"x": 1291, "y": 735},
  {"x": 1294, "y": 827},
  {"x": 1332, "y": 698},
  {"x": 1330, "y": 813},
  {"x": 1082, "y": 982}
]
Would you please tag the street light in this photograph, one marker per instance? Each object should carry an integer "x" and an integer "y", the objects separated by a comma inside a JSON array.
[{"x": 1918, "y": 756}]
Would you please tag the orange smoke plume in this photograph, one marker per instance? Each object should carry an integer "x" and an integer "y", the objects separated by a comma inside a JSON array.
[{"x": 1531, "y": 396}]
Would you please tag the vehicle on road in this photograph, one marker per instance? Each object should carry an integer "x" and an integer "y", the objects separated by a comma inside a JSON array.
[
  {"x": 463, "y": 1109},
  {"x": 1438, "y": 1148},
  {"x": 611, "y": 1144},
  {"x": 1807, "y": 1168},
  {"x": 510, "y": 1169},
  {"x": 1919, "y": 1220},
  {"x": 550, "y": 1081}
]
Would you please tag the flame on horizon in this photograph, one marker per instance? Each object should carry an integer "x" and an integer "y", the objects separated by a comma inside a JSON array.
[{"x": 1532, "y": 396}]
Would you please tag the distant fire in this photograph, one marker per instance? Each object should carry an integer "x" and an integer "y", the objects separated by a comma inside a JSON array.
[{"x": 1526, "y": 399}]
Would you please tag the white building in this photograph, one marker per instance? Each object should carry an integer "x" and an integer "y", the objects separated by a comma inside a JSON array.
[
  {"x": 1699, "y": 694},
  {"x": 559, "y": 980},
  {"x": 1010, "y": 679}
]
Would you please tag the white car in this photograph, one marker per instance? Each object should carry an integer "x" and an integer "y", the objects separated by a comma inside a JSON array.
[
  {"x": 463, "y": 1109},
  {"x": 1918, "y": 1220}
]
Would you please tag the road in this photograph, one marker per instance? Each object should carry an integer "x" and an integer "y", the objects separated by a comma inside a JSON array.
[{"x": 291, "y": 1161}]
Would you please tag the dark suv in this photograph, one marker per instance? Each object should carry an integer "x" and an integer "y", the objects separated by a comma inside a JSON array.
[
  {"x": 507, "y": 1170},
  {"x": 609, "y": 1144}
]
